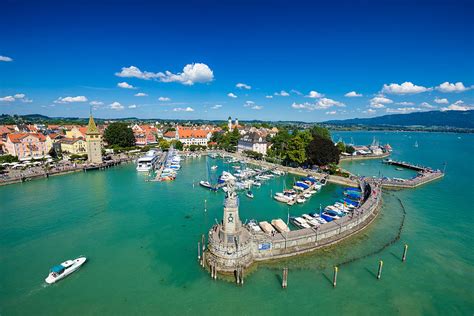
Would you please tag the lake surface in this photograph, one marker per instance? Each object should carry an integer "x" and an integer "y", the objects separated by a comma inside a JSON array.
[{"x": 140, "y": 238}]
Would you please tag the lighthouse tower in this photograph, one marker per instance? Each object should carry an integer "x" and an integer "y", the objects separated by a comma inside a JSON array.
[{"x": 231, "y": 224}]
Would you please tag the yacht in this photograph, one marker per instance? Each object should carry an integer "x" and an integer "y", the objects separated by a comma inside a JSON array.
[
  {"x": 299, "y": 222},
  {"x": 147, "y": 162},
  {"x": 64, "y": 269}
]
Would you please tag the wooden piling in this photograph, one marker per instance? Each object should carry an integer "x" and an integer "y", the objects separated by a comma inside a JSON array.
[
  {"x": 284, "y": 282},
  {"x": 405, "y": 249},
  {"x": 199, "y": 250},
  {"x": 203, "y": 242},
  {"x": 379, "y": 272},
  {"x": 203, "y": 260},
  {"x": 205, "y": 205},
  {"x": 242, "y": 276},
  {"x": 334, "y": 279}
]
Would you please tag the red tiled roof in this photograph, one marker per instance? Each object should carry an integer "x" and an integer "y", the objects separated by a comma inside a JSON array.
[{"x": 17, "y": 137}]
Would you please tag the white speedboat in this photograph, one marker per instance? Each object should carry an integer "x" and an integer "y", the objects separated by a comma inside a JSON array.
[
  {"x": 307, "y": 195},
  {"x": 301, "y": 200},
  {"x": 64, "y": 269},
  {"x": 214, "y": 167}
]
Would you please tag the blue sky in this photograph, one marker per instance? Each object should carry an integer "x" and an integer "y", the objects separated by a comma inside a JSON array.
[{"x": 56, "y": 58}]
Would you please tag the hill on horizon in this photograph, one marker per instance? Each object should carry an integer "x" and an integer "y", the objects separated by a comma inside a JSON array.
[{"x": 459, "y": 119}]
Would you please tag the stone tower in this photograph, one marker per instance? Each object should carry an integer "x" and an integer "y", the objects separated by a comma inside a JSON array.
[
  {"x": 93, "y": 142},
  {"x": 231, "y": 224},
  {"x": 229, "y": 124}
]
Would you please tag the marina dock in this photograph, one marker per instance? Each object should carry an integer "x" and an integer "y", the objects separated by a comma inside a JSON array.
[
  {"x": 425, "y": 175},
  {"x": 234, "y": 247}
]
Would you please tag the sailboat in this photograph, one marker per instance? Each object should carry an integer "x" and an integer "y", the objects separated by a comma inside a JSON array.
[{"x": 416, "y": 144}]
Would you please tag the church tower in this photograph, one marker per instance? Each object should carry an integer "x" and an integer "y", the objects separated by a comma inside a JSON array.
[
  {"x": 229, "y": 124},
  {"x": 93, "y": 142}
]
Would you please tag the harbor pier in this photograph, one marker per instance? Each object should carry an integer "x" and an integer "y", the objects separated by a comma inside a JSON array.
[{"x": 232, "y": 245}]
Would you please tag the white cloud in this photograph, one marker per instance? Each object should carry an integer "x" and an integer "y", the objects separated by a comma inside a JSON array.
[
  {"x": 257, "y": 107},
  {"x": 125, "y": 85},
  {"x": 371, "y": 111},
  {"x": 321, "y": 104},
  {"x": 191, "y": 74},
  {"x": 187, "y": 109},
  {"x": 96, "y": 103},
  {"x": 426, "y": 105},
  {"x": 331, "y": 112},
  {"x": 231, "y": 95},
  {"x": 314, "y": 94},
  {"x": 441, "y": 101},
  {"x": 79, "y": 98},
  {"x": 216, "y": 107},
  {"x": 243, "y": 86},
  {"x": 164, "y": 99},
  {"x": 5, "y": 58},
  {"x": 402, "y": 110},
  {"x": 269, "y": 96},
  {"x": 140, "y": 94},
  {"x": 405, "y": 103},
  {"x": 116, "y": 106},
  {"x": 8, "y": 98},
  {"x": 352, "y": 94},
  {"x": 133, "y": 106},
  {"x": 19, "y": 96},
  {"x": 282, "y": 93},
  {"x": 135, "y": 72},
  {"x": 458, "y": 106},
  {"x": 452, "y": 87},
  {"x": 404, "y": 88},
  {"x": 248, "y": 103},
  {"x": 379, "y": 102},
  {"x": 296, "y": 92}
]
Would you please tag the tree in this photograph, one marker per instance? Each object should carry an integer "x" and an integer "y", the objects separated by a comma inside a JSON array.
[
  {"x": 321, "y": 131},
  {"x": 164, "y": 145},
  {"x": 350, "y": 150},
  {"x": 178, "y": 145},
  {"x": 8, "y": 158},
  {"x": 119, "y": 134},
  {"x": 341, "y": 146},
  {"x": 322, "y": 151},
  {"x": 296, "y": 150}
]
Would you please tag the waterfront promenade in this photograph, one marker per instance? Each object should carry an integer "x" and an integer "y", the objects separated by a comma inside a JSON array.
[{"x": 60, "y": 169}]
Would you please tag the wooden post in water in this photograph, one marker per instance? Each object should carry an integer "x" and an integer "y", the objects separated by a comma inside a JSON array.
[
  {"x": 203, "y": 242},
  {"x": 242, "y": 276},
  {"x": 405, "y": 249},
  {"x": 379, "y": 272},
  {"x": 284, "y": 282},
  {"x": 334, "y": 279},
  {"x": 205, "y": 205},
  {"x": 203, "y": 260},
  {"x": 199, "y": 250}
]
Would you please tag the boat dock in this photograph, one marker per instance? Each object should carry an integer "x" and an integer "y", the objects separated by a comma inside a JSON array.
[
  {"x": 233, "y": 247},
  {"x": 406, "y": 165}
]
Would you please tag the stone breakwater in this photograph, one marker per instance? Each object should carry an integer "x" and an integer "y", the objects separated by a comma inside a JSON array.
[{"x": 251, "y": 247}]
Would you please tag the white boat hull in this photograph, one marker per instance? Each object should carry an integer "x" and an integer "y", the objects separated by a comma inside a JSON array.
[{"x": 76, "y": 264}]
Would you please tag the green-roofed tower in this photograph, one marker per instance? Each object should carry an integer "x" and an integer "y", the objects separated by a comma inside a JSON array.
[{"x": 93, "y": 142}]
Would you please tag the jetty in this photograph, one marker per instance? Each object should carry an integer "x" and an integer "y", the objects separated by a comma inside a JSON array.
[
  {"x": 425, "y": 175},
  {"x": 233, "y": 247}
]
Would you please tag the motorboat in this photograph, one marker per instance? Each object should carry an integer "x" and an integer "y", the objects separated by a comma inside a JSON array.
[
  {"x": 249, "y": 194},
  {"x": 280, "y": 225},
  {"x": 266, "y": 227},
  {"x": 254, "y": 226},
  {"x": 257, "y": 184},
  {"x": 307, "y": 195},
  {"x": 331, "y": 213},
  {"x": 60, "y": 271},
  {"x": 326, "y": 217},
  {"x": 214, "y": 167},
  {"x": 281, "y": 198},
  {"x": 299, "y": 222},
  {"x": 205, "y": 184},
  {"x": 310, "y": 220},
  {"x": 147, "y": 162},
  {"x": 334, "y": 210},
  {"x": 301, "y": 200},
  {"x": 291, "y": 202}
]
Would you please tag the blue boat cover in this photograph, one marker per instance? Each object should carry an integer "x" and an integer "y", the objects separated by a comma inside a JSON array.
[
  {"x": 302, "y": 185},
  {"x": 58, "y": 269}
]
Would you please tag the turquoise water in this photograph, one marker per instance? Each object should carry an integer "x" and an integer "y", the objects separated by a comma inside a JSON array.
[{"x": 140, "y": 238}]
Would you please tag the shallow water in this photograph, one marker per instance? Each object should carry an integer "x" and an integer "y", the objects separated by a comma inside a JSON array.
[{"x": 140, "y": 238}]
